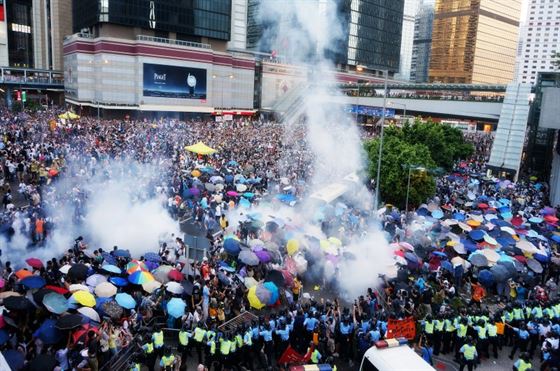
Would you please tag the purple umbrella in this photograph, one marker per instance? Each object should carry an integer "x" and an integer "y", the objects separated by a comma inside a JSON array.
[
  {"x": 194, "y": 191},
  {"x": 263, "y": 255}
]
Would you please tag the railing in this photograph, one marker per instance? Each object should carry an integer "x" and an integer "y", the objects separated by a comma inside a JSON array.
[
  {"x": 29, "y": 76},
  {"x": 163, "y": 40}
]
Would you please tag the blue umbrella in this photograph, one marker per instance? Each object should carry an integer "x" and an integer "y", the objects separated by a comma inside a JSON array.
[
  {"x": 411, "y": 257},
  {"x": 504, "y": 201},
  {"x": 121, "y": 253},
  {"x": 486, "y": 277},
  {"x": 4, "y": 337},
  {"x": 125, "y": 301},
  {"x": 33, "y": 282},
  {"x": 504, "y": 241},
  {"x": 555, "y": 238},
  {"x": 108, "y": 258},
  {"x": 476, "y": 234},
  {"x": 111, "y": 268},
  {"x": 243, "y": 202},
  {"x": 100, "y": 301},
  {"x": 14, "y": 359},
  {"x": 152, "y": 256},
  {"x": 176, "y": 307},
  {"x": 501, "y": 223},
  {"x": 231, "y": 246},
  {"x": 118, "y": 281},
  {"x": 225, "y": 266},
  {"x": 270, "y": 286},
  {"x": 55, "y": 303},
  {"x": 439, "y": 254},
  {"x": 286, "y": 198},
  {"x": 541, "y": 258},
  {"x": 232, "y": 163},
  {"x": 437, "y": 214},
  {"x": 48, "y": 332},
  {"x": 248, "y": 195},
  {"x": 459, "y": 217},
  {"x": 469, "y": 245},
  {"x": 536, "y": 220},
  {"x": 447, "y": 266},
  {"x": 228, "y": 178},
  {"x": 423, "y": 211}
]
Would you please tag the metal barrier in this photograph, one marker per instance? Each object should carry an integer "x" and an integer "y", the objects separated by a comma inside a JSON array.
[{"x": 164, "y": 40}]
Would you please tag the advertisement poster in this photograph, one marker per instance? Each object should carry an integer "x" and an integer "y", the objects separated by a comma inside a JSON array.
[{"x": 174, "y": 82}]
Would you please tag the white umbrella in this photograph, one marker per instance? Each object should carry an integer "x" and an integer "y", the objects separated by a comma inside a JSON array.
[
  {"x": 151, "y": 286},
  {"x": 105, "y": 290},
  {"x": 527, "y": 246},
  {"x": 250, "y": 282},
  {"x": 174, "y": 287},
  {"x": 162, "y": 272},
  {"x": 90, "y": 313},
  {"x": 241, "y": 187},
  {"x": 64, "y": 269},
  {"x": 95, "y": 279},
  {"x": 509, "y": 230},
  {"x": 78, "y": 287}
]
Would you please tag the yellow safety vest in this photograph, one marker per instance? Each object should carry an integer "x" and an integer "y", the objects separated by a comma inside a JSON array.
[
  {"x": 233, "y": 346},
  {"x": 517, "y": 313},
  {"x": 449, "y": 326},
  {"x": 429, "y": 327},
  {"x": 462, "y": 331},
  {"x": 158, "y": 339},
  {"x": 315, "y": 356},
  {"x": 149, "y": 348},
  {"x": 183, "y": 338},
  {"x": 199, "y": 334},
  {"x": 225, "y": 346},
  {"x": 439, "y": 325},
  {"x": 524, "y": 365},
  {"x": 469, "y": 352},
  {"x": 538, "y": 313},
  {"x": 239, "y": 340},
  {"x": 492, "y": 330},
  {"x": 135, "y": 367},
  {"x": 212, "y": 345},
  {"x": 482, "y": 332},
  {"x": 167, "y": 361}
]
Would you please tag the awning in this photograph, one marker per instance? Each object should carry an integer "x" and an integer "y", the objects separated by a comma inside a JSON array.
[{"x": 200, "y": 149}]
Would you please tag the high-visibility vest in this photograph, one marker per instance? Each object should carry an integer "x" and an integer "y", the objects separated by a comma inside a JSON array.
[
  {"x": 527, "y": 312},
  {"x": 500, "y": 328},
  {"x": 462, "y": 331},
  {"x": 429, "y": 327},
  {"x": 210, "y": 335},
  {"x": 557, "y": 310},
  {"x": 212, "y": 345},
  {"x": 507, "y": 317},
  {"x": 549, "y": 312},
  {"x": 167, "y": 360},
  {"x": 538, "y": 312},
  {"x": 524, "y": 365},
  {"x": 183, "y": 338},
  {"x": 492, "y": 330},
  {"x": 239, "y": 340},
  {"x": 439, "y": 325},
  {"x": 315, "y": 356},
  {"x": 199, "y": 334},
  {"x": 449, "y": 326},
  {"x": 158, "y": 339},
  {"x": 517, "y": 313},
  {"x": 482, "y": 332},
  {"x": 225, "y": 347},
  {"x": 135, "y": 367},
  {"x": 469, "y": 351},
  {"x": 148, "y": 348}
]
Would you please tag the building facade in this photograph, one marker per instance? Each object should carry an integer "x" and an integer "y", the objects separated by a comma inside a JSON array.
[
  {"x": 238, "y": 39},
  {"x": 474, "y": 41},
  {"x": 410, "y": 12},
  {"x": 422, "y": 44},
  {"x": 539, "y": 41}
]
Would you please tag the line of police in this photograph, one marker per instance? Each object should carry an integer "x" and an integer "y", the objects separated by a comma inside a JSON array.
[{"x": 522, "y": 327}]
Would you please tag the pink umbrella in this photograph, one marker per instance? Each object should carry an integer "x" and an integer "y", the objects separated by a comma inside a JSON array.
[
  {"x": 406, "y": 245},
  {"x": 232, "y": 193}
]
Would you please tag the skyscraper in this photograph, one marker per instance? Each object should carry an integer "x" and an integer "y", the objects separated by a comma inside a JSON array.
[
  {"x": 539, "y": 40},
  {"x": 407, "y": 38},
  {"x": 474, "y": 41},
  {"x": 422, "y": 45}
]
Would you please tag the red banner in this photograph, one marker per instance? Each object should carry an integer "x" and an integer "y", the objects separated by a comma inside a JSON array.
[
  {"x": 405, "y": 328},
  {"x": 291, "y": 356}
]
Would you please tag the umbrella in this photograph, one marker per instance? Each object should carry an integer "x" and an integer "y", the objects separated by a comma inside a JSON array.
[
  {"x": 534, "y": 265},
  {"x": 69, "y": 321},
  {"x": 140, "y": 277},
  {"x": 478, "y": 260},
  {"x": 43, "y": 362},
  {"x": 33, "y": 282},
  {"x": 14, "y": 359},
  {"x": 78, "y": 271},
  {"x": 459, "y": 248},
  {"x": 491, "y": 255},
  {"x": 48, "y": 333},
  {"x": 250, "y": 282},
  {"x": 176, "y": 307},
  {"x": 111, "y": 268},
  {"x": 151, "y": 286},
  {"x": 274, "y": 294},
  {"x": 248, "y": 257},
  {"x": 78, "y": 287},
  {"x": 152, "y": 256},
  {"x": 39, "y": 295},
  {"x": 118, "y": 281},
  {"x": 7, "y": 294},
  {"x": 121, "y": 253},
  {"x": 17, "y": 303},
  {"x": 486, "y": 277},
  {"x": 447, "y": 266},
  {"x": 125, "y": 300},
  {"x": 411, "y": 257},
  {"x": 263, "y": 255},
  {"x": 527, "y": 246},
  {"x": 136, "y": 265},
  {"x": 161, "y": 274},
  {"x": 90, "y": 313},
  {"x": 174, "y": 288},
  {"x": 55, "y": 303},
  {"x": 500, "y": 273},
  {"x": 276, "y": 277},
  {"x": 84, "y": 298},
  {"x": 112, "y": 309},
  {"x": 35, "y": 263},
  {"x": 439, "y": 254},
  {"x": 535, "y": 220},
  {"x": 22, "y": 273},
  {"x": 406, "y": 246},
  {"x": 477, "y": 235},
  {"x": 175, "y": 275},
  {"x": 201, "y": 149},
  {"x": 95, "y": 279},
  {"x": 232, "y": 246},
  {"x": 105, "y": 290},
  {"x": 108, "y": 258},
  {"x": 65, "y": 269},
  {"x": 473, "y": 223},
  {"x": 254, "y": 301}
]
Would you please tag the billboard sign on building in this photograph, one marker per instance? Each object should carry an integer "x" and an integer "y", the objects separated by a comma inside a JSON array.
[{"x": 165, "y": 81}]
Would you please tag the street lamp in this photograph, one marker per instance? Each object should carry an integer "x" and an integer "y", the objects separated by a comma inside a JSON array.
[
  {"x": 410, "y": 168},
  {"x": 399, "y": 104},
  {"x": 378, "y": 177}
]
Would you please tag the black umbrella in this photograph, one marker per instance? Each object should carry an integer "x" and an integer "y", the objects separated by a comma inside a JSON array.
[
  {"x": 43, "y": 362},
  {"x": 18, "y": 303},
  {"x": 276, "y": 277},
  {"x": 78, "y": 271},
  {"x": 535, "y": 266},
  {"x": 510, "y": 266},
  {"x": 69, "y": 321},
  {"x": 187, "y": 286},
  {"x": 500, "y": 273},
  {"x": 40, "y": 294},
  {"x": 112, "y": 309}
]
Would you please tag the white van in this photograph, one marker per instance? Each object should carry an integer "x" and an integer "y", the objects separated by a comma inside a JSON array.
[{"x": 393, "y": 355}]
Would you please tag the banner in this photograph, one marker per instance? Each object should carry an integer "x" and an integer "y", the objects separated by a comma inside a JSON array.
[
  {"x": 405, "y": 328},
  {"x": 174, "y": 82},
  {"x": 291, "y": 356},
  {"x": 369, "y": 111}
]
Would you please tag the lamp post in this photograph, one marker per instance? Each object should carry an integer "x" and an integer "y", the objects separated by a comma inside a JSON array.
[
  {"x": 378, "y": 177},
  {"x": 399, "y": 104},
  {"x": 410, "y": 168}
]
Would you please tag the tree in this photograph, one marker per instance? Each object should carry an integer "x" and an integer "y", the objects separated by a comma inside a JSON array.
[{"x": 397, "y": 156}]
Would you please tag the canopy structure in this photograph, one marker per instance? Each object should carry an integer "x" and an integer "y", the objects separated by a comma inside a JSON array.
[
  {"x": 69, "y": 116},
  {"x": 201, "y": 149}
]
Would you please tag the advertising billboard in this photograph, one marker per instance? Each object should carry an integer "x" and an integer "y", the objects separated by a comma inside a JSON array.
[{"x": 174, "y": 82}]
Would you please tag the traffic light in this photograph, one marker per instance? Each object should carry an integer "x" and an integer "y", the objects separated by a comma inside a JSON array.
[
  {"x": 24, "y": 96},
  {"x": 18, "y": 95}
]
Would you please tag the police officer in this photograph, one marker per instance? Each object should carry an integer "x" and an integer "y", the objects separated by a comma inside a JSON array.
[
  {"x": 225, "y": 348},
  {"x": 438, "y": 332},
  {"x": 468, "y": 355},
  {"x": 448, "y": 334},
  {"x": 461, "y": 336},
  {"x": 157, "y": 339},
  {"x": 198, "y": 336},
  {"x": 183, "y": 347},
  {"x": 521, "y": 339},
  {"x": 523, "y": 363},
  {"x": 482, "y": 343},
  {"x": 428, "y": 326},
  {"x": 167, "y": 361},
  {"x": 492, "y": 332},
  {"x": 149, "y": 353}
]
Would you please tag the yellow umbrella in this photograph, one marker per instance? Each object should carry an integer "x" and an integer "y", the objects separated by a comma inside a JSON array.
[
  {"x": 292, "y": 247},
  {"x": 473, "y": 223},
  {"x": 335, "y": 241},
  {"x": 84, "y": 298},
  {"x": 69, "y": 116},
  {"x": 200, "y": 149},
  {"x": 195, "y": 173},
  {"x": 253, "y": 300}
]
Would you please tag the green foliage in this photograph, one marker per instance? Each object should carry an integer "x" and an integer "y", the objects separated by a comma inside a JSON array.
[{"x": 397, "y": 156}]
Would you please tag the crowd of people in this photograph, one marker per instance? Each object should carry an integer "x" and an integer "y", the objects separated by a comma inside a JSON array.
[{"x": 475, "y": 267}]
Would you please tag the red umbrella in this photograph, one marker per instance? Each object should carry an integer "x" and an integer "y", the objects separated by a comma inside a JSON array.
[
  {"x": 521, "y": 259},
  {"x": 399, "y": 253},
  {"x": 483, "y": 206},
  {"x": 175, "y": 275},
  {"x": 57, "y": 289},
  {"x": 53, "y": 173},
  {"x": 551, "y": 219},
  {"x": 517, "y": 221},
  {"x": 82, "y": 331},
  {"x": 35, "y": 263}
]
